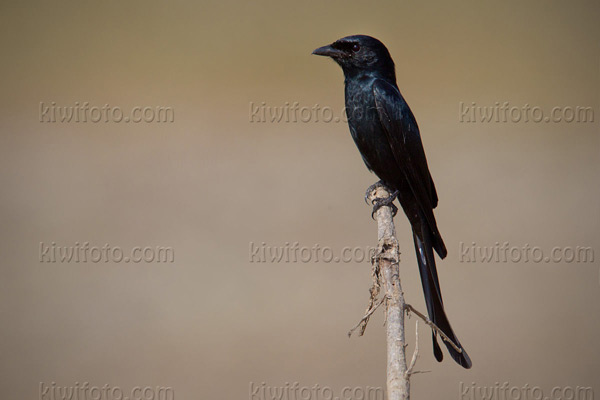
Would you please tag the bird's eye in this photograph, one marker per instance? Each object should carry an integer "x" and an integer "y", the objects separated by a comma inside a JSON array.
[{"x": 355, "y": 47}]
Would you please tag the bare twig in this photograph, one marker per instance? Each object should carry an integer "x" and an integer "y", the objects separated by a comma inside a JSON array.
[
  {"x": 433, "y": 326},
  {"x": 419, "y": 372},
  {"x": 415, "y": 356},
  {"x": 365, "y": 319},
  {"x": 411, "y": 366}
]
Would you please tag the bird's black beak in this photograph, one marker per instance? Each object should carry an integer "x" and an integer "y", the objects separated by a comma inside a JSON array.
[{"x": 327, "y": 51}]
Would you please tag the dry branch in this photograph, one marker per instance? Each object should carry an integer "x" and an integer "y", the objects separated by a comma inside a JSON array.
[
  {"x": 387, "y": 259},
  {"x": 433, "y": 326},
  {"x": 386, "y": 275}
]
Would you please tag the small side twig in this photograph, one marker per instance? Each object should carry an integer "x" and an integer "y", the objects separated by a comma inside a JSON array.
[
  {"x": 410, "y": 371},
  {"x": 415, "y": 355},
  {"x": 433, "y": 326},
  {"x": 365, "y": 319}
]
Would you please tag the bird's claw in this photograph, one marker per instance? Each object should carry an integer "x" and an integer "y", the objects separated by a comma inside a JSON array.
[{"x": 388, "y": 201}]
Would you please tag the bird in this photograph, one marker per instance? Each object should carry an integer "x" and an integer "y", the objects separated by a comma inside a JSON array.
[{"x": 387, "y": 136}]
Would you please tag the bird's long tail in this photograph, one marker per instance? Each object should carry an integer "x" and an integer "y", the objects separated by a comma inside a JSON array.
[{"x": 433, "y": 295}]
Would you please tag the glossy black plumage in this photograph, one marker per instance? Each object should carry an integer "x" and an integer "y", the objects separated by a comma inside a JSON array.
[{"x": 387, "y": 136}]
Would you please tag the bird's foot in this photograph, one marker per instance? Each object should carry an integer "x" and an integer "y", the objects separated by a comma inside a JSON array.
[
  {"x": 371, "y": 188},
  {"x": 387, "y": 201},
  {"x": 378, "y": 203}
]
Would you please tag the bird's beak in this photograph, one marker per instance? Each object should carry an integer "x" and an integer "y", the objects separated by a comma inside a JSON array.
[{"x": 327, "y": 51}]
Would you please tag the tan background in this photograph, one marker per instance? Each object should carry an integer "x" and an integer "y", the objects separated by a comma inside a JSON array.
[{"x": 211, "y": 182}]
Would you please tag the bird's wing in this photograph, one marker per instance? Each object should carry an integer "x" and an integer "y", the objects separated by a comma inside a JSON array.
[{"x": 403, "y": 136}]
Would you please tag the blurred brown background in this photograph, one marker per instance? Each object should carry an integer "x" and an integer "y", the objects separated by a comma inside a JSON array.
[{"x": 212, "y": 182}]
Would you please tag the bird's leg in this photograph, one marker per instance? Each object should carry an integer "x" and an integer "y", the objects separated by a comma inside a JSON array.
[{"x": 378, "y": 203}]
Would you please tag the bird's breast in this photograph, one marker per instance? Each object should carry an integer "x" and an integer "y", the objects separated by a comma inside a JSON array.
[{"x": 367, "y": 130}]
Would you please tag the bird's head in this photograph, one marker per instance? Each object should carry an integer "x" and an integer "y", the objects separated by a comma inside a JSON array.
[{"x": 359, "y": 54}]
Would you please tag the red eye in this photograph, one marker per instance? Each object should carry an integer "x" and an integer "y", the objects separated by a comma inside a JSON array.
[{"x": 355, "y": 47}]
